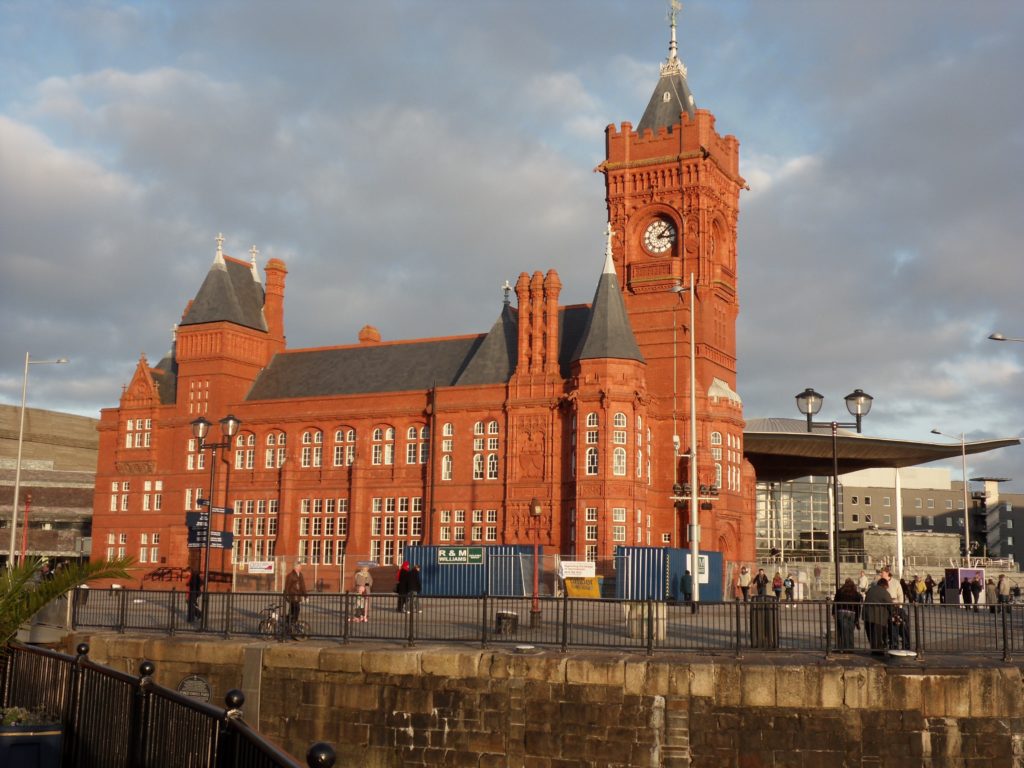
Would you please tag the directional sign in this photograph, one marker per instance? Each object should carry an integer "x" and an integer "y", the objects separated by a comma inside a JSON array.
[
  {"x": 221, "y": 510},
  {"x": 197, "y": 519},
  {"x": 460, "y": 556},
  {"x": 202, "y": 502},
  {"x": 218, "y": 539}
]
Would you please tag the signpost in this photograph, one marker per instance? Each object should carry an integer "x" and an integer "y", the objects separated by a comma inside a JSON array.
[
  {"x": 460, "y": 556},
  {"x": 197, "y": 538}
]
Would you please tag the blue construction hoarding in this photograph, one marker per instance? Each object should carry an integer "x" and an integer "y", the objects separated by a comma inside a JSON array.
[
  {"x": 656, "y": 573},
  {"x": 468, "y": 571}
]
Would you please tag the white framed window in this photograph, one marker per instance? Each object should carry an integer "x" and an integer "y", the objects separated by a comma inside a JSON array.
[
  {"x": 592, "y": 461},
  {"x": 619, "y": 462},
  {"x": 592, "y": 419},
  {"x": 478, "y": 428},
  {"x": 492, "y": 466},
  {"x": 446, "y": 467},
  {"x": 591, "y": 532},
  {"x": 448, "y": 430}
]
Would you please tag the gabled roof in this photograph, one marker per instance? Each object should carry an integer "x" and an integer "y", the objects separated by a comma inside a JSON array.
[{"x": 229, "y": 293}]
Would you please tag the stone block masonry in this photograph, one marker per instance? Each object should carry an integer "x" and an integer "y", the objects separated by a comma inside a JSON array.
[{"x": 442, "y": 706}]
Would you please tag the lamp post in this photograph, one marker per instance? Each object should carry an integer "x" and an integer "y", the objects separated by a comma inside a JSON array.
[
  {"x": 21, "y": 440},
  {"x": 535, "y": 511},
  {"x": 200, "y": 429},
  {"x": 967, "y": 510},
  {"x": 693, "y": 495},
  {"x": 858, "y": 403}
]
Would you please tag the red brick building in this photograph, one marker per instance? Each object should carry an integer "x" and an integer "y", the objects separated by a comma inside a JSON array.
[{"x": 368, "y": 448}]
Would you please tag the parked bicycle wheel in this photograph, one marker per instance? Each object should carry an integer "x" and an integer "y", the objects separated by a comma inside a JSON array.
[
  {"x": 299, "y": 630},
  {"x": 268, "y": 627}
]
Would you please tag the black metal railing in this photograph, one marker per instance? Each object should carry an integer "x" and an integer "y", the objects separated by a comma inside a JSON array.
[
  {"x": 763, "y": 624},
  {"x": 111, "y": 719}
]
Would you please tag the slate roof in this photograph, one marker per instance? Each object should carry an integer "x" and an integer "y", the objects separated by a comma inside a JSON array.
[
  {"x": 662, "y": 111},
  {"x": 410, "y": 366},
  {"x": 165, "y": 375},
  {"x": 229, "y": 293},
  {"x": 608, "y": 333}
]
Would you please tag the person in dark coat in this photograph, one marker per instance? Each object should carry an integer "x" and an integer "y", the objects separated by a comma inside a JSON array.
[
  {"x": 402, "y": 586},
  {"x": 965, "y": 593},
  {"x": 294, "y": 592},
  {"x": 193, "y": 588},
  {"x": 761, "y": 582},
  {"x": 847, "y": 609},
  {"x": 878, "y": 615},
  {"x": 686, "y": 587},
  {"x": 415, "y": 587},
  {"x": 976, "y": 589}
]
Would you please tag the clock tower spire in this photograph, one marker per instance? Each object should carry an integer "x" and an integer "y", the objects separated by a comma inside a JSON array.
[{"x": 672, "y": 188}]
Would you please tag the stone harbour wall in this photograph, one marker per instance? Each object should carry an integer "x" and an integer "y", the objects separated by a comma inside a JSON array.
[{"x": 449, "y": 706}]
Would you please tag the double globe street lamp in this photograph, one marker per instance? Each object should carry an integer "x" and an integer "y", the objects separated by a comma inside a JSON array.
[
  {"x": 200, "y": 429},
  {"x": 858, "y": 403}
]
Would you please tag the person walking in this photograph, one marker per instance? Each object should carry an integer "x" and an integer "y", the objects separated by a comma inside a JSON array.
[
  {"x": 686, "y": 587},
  {"x": 761, "y": 583},
  {"x": 929, "y": 589},
  {"x": 415, "y": 587},
  {"x": 966, "y": 594},
  {"x": 364, "y": 583},
  {"x": 402, "y": 586},
  {"x": 294, "y": 593},
  {"x": 789, "y": 585},
  {"x": 847, "y": 609},
  {"x": 900, "y": 622},
  {"x": 976, "y": 589},
  {"x": 745, "y": 583},
  {"x": 193, "y": 588},
  {"x": 777, "y": 585}
]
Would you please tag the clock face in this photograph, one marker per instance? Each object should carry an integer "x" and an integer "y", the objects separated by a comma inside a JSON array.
[{"x": 659, "y": 236}]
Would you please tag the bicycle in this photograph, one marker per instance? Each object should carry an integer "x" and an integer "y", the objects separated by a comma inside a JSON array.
[{"x": 275, "y": 621}]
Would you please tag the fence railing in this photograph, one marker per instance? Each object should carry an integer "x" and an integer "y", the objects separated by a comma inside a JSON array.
[
  {"x": 111, "y": 719},
  {"x": 763, "y": 624}
]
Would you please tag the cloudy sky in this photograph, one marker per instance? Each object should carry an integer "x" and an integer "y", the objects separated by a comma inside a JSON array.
[{"x": 406, "y": 158}]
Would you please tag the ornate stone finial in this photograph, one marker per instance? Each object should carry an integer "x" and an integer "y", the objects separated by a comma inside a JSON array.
[
  {"x": 254, "y": 252},
  {"x": 220, "y": 244},
  {"x": 673, "y": 65},
  {"x": 609, "y": 262},
  {"x": 507, "y": 290}
]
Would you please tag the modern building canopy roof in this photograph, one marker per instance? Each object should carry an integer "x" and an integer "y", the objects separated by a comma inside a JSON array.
[{"x": 783, "y": 449}]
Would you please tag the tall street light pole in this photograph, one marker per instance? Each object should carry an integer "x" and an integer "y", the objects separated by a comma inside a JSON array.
[
  {"x": 967, "y": 509},
  {"x": 21, "y": 440},
  {"x": 693, "y": 496},
  {"x": 535, "y": 512},
  {"x": 858, "y": 403},
  {"x": 200, "y": 429}
]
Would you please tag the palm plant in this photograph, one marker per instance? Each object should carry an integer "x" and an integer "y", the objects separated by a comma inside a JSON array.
[{"x": 23, "y": 593}]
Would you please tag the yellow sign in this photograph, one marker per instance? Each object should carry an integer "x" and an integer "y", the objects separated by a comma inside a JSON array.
[{"x": 582, "y": 587}]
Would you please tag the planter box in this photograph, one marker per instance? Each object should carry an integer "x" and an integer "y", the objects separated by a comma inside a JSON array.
[{"x": 30, "y": 746}]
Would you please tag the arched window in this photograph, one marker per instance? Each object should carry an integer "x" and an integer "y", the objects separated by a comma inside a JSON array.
[
  {"x": 312, "y": 452},
  {"x": 245, "y": 453},
  {"x": 619, "y": 462},
  {"x": 620, "y": 420},
  {"x": 492, "y": 466},
  {"x": 448, "y": 430},
  {"x": 344, "y": 447},
  {"x": 378, "y": 435},
  {"x": 478, "y": 467},
  {"x": 492, "y": 428},
  {"x": 424, "y": 433},
  {"x": 446, "y": 467},
  {"x": 591, "y": 461},
  {"x": 274, "y": 457},
  {"x": 592, "y": 420},
  {"x": 478, "y": 428},
  {"x": 411, "y": 433}
]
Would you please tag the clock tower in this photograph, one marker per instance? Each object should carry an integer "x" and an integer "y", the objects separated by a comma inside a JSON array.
[{"x": 672, "y": 188}]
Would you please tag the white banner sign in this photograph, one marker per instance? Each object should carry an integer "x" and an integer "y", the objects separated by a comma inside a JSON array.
[
  {"x": 576, "y": 569},
  {"x": 702, "y": 561},
  {"x": 261, "y": 566}
]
